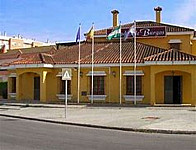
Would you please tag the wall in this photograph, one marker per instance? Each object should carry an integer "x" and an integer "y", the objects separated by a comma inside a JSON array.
[
  {"x": 50, "y": 83},
  {"x": 194, "y": 47},
  {"x": 111, "y": 84},
  {"x": 161, "y": 42},
  {"x": 27, "y": 86},
  {"x": 53, "y": 86}
]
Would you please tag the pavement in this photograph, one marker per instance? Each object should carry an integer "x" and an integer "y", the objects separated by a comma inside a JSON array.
[{"x": 170, "y": 120}]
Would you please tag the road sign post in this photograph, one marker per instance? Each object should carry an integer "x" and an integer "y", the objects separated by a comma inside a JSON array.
[{"x": 66, "y": 75}]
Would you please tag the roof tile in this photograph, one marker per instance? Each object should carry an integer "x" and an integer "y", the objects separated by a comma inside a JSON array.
[
  {"x": 171, "y": 55},
  {"x": 169, "y": 27}
]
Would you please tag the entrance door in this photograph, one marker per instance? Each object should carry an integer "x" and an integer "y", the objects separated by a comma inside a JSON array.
[
  {"x": 36, "y": 88},
  {"x": 172, "y": 89},
  {"x": 177, "y": 88}
]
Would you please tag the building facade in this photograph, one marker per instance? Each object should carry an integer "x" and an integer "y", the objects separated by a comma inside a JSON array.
[
  {"x": 11, "y": 43},
  {"x": 166, "y": 68}
]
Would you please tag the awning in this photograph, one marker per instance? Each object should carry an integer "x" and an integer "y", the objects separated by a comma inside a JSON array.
[
  {"x": 96, "y": 73},
  {"x": 131, "y": 73}
]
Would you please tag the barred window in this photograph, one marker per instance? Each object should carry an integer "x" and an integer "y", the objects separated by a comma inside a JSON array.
[
  {"x": 130, "y": 85},
  {"x": 62, "y": 86},
  {"x": 98, "y": 85}
]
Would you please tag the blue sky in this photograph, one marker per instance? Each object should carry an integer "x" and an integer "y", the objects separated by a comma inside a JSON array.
[{"x": 58, "y": 20}]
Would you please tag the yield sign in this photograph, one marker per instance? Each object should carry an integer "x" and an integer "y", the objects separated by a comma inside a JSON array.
[{"x": 66, "y": 74}]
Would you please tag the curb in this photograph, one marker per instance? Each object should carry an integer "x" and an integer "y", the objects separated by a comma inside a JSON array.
[
  {"x": 41, "y": 105},
  {"x": 104, "y": 127}
]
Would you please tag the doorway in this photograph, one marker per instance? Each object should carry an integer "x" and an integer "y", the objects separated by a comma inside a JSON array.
[
  {"x": 173, "y": 89},
  {"x": 36, "y": 88}
]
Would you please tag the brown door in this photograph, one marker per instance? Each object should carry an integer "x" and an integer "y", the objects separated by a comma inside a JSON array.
[
  {"x": 36, "y": 88},
  {"x": 173, "y": 89}
]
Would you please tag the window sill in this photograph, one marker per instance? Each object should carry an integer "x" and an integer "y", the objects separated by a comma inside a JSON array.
[
  {"x": 12, "y": 95},
  {"x": 62, "y": 96},
  {"x": 131, "y": 97},
  {"x": 97, "y": 97}
]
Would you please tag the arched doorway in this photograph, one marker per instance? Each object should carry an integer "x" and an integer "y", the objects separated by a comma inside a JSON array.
[{"x": 173, "y": 87}]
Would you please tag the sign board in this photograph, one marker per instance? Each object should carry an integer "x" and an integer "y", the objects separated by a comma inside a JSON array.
[
  {"x": 66, "y": 74},
  {"x": 145, "y": 32}
]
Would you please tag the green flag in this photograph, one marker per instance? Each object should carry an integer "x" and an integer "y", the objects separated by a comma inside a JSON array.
[{"x": 115, "y": 33}]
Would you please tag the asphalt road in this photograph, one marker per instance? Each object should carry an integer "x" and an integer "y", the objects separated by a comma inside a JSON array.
[{"x": 18, "y": 134}]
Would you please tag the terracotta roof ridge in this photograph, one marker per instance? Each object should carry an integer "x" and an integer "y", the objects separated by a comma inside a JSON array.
[
  {"x": 160, "y": 53},
  {"x": 173, "y": 51},
  {"x": 19, "y": 53},
  {"x": 43, "y": 59},
  {"x": 46, "y": 54},
  {"x": 182, "y": 52}
]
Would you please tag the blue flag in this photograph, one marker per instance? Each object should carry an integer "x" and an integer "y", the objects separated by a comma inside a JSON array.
[{"x": 78, "y": 35}]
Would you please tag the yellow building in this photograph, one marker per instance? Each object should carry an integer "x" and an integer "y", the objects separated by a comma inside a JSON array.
[{"x": 166, "y": 68}]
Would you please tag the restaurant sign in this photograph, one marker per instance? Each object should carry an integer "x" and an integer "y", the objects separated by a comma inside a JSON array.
[{"x": 158, "y": 31}]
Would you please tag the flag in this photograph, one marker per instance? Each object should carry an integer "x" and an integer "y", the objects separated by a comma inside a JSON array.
[
  {"x": 115, "y": 33},
  {"x": 78, "y": 35},
  {"x": 131, "y": 31},
  {"x": 90, "y": 34}
]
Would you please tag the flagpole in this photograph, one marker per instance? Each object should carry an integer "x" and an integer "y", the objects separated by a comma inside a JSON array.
[
  {"x": 92, "y": 66},
  {"x": 135, "y": 66},
  {"x": 79, "y": 68},
  {"x": 120, "y": 66}
]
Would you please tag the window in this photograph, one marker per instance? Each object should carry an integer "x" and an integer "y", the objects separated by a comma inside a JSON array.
[
  {"x": 62, "y": 86},
  {"x": 13, "y": 80},
  {"x": 98, "y": 85},
  {"x": 175, "y": 46},
  {"x": 130, "y": 85}
]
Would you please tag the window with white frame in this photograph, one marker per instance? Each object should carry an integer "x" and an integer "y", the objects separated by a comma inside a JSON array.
[
  {"x": 130, "y": 85},
  {"x": 98, "y": 85},
  {"x": 62, "y": 86}
]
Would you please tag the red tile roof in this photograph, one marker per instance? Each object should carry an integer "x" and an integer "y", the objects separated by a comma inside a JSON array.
[
  {"x": 69, "y": 54},
  {"x": 169, "y": 27},
  {"x": 104, "y": 53},
  {"x": 111, "y": 54},
  {"x": 171, "y": 55},
  {"x": 24, "y": 56}
]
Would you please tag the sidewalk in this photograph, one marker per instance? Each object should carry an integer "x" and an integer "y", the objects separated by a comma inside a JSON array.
[{"x": 181, "y": 120}]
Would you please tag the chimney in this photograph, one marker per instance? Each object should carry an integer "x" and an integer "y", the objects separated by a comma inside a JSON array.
[
  {"x": 115, "y": 17},
  {"x": 3, "y": 49},
  {"x": 158, "y": 14}
]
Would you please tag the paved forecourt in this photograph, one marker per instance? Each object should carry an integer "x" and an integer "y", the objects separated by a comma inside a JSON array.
[{"x": 175, "y": 119}]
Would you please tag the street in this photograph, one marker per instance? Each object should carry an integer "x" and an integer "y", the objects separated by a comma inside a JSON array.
[{"x": 18, "y": 134}]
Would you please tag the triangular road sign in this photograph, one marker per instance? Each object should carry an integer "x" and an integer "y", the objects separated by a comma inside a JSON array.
[{"x": 66, "y": 74}]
